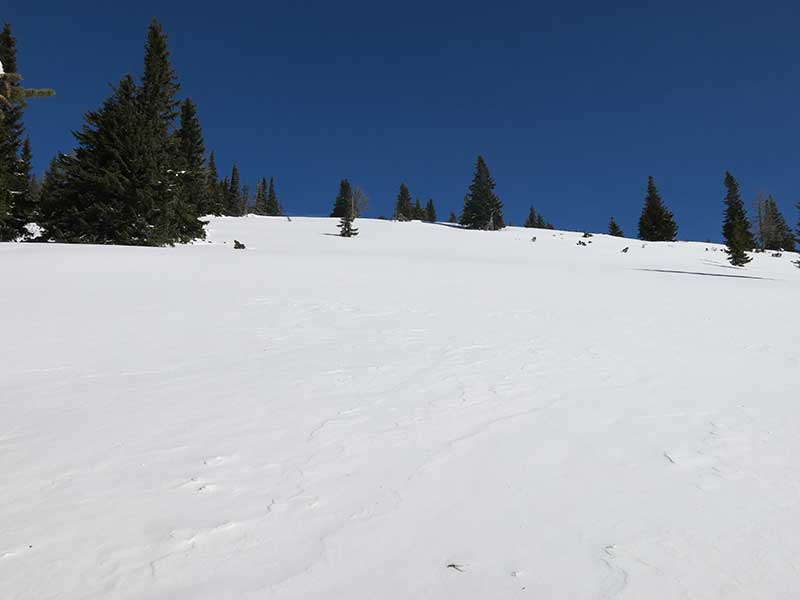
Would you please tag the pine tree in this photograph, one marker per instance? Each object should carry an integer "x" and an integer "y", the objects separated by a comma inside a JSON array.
[
  {"x": 11, "y": 134},
  {"x": 657, "y": 223},
  {"x": 736, "y": 229},
  {"x": 111, "y": 182},
  {"x": 403, "y": 211},
  {"x": 214, "y": 193},
  {"x": 482, "y": 207},
  {"x": 191, "y": 199},
  {"x": 453, "y": 218},
  {"x": 24, "y": 206},
  {"x": 531, "y": 221},
  {"x": 157, "y": 100},
  {"x": 346, "y": 228},
  {"x": 614, "y": 229},
  {"x": 234, "y": 194},
  {"x": 417, "y": 212},
  {"x": 343, "y": 200},
  {"x": 736, "y": 222},
  {"x": 273, "y": 206},
  {"x": 260, "y": 207},
  {"x": 430, "y": 211},
  {"x": 773, "y": 231}
]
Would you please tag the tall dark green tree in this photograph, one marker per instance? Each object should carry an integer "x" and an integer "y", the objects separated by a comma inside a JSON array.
[
  {"x": 110, "y": 183},
  {"x": 191, "y": 199},
  {"x": 215, "y": 192},
  {"x": 614, "y": 229},
  {"x": 11, "y": 135},
  {"x": 404, "y": 210},
  {"x": 430, "y": 211},
  {"x": 736, "y": 221},
  {"x": 656, "y": 224},
  {"x": 418, "y": 213},
  {"x": 774, "y": 232},
  {"x": 346, "y": 228},
  {"x": 344, "y": 199},
  {"x": 736, "y": 229},
  {"x": 531, "y": 221},
  {"x": 261, "y": 197},
  {"x": 482, "y": 207},
  {"x": 273, "y": 205},
  {"x": 234, "y": 194},
  {"x": 24, "y": 202}
]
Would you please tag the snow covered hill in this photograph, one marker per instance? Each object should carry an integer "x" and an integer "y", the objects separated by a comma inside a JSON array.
[{"x": 419, "y": 412}]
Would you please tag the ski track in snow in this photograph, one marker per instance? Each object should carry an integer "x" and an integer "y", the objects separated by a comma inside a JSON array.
[{"x": 420, "y": 412}]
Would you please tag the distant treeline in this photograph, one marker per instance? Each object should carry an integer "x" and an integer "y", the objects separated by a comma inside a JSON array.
[{"x": 139, "y": 176}]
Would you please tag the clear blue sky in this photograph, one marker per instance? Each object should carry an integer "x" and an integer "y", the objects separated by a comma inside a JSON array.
[{"x": 573, "y": 104}]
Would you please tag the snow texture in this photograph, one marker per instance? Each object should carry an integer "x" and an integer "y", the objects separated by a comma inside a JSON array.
[{"x": 419, "y": 412}]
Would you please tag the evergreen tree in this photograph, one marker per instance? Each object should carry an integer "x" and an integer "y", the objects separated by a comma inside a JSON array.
[
  {"x": 244, "y": 201},
  {"x": 346, "y": 228},
  {"x": 109, "y": 185},
  {"x": 430, "y": 211},
  {"x": 418, "y": 213},
  {"x": 273, "y": 206},
  {"x": 453, "y": 218},
  {"x": 214, "y": 189},
  {"x": 191, "y": 198},
  {"x": 736, "y": 221},
  {"x": 166, "y": 210},
  {"x": 657, "y": 223},
  {"x": 11, "y": 134},
  {"x": 614, "y": 229},
  {"x": 24, "y": 205},
  {"x": 773, "y": 230},
  {"x": 261, "y": 197},
  {"x": 234, "y": 195},
  {"x": 403, "y": 211},
  {"x": 736, "y": 228},
  {"x": 482, "y": 207},
  {"x": 344, "y": 199},
  {"x": 532, "y": 220}
]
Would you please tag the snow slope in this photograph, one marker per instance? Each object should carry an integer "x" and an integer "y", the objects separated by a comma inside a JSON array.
[{"x": 317, "y": 417}]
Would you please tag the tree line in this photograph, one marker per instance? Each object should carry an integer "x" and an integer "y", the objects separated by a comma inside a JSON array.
[{"x": 138, "y": 174}]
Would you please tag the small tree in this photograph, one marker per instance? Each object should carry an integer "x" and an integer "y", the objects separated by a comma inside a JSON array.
[
  {"x": 430, "y": 211},
  {"x": 403, "y": 211},
  {"x": 614, "y": 229},
  {"x": 360, "y": 201},
  {"x": 656, "y": 223},
  {"x": 483, "y": 209},
  {"x": 453, "y": 218},
  {"x": 343, "y": 199},
  {"x": 273, "y": 206},
  {"x": 736, "y": 229},
  {"x": 346, "y": 228},
  {"x": 531, "y": 221}
]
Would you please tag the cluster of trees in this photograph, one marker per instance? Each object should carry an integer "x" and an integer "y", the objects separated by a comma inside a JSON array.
[
  {"x": 138, "y": 175},
  {"x": 405, "y": 210},
  {"x": 19, "y": 188},
  {"x": 537, "y": 220},
  {"x": 657, "y": 223}
]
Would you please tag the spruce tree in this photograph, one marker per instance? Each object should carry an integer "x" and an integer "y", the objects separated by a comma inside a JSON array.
[
  {"x": 418, "y": 213},
  {"x": 614, "y": 229},
  {"x": 736, "y": 222},
  {"x": 273, "y": 206},
  {"x": 531, "y": 221},
  {"x": 773, "y": 230},
  {"x": 430, "y": 211},
  {"x": 344, "y": 199},
  {"x": 24, "y": 205},
  {"x": 656, "y": 223},
  {"x": 403, "y": 211},
  {"x": 482, "y": 207},
  {"x": 346, "y": 228},
  {"x": 191, "y": 198},
  {"x": 234, "y": 195},
  {"x": 214, "y": 192},
  {"x": 260, "y": 207},
  {"x": 11, "y": 134},
  {"x": 453, "y": 218}
]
